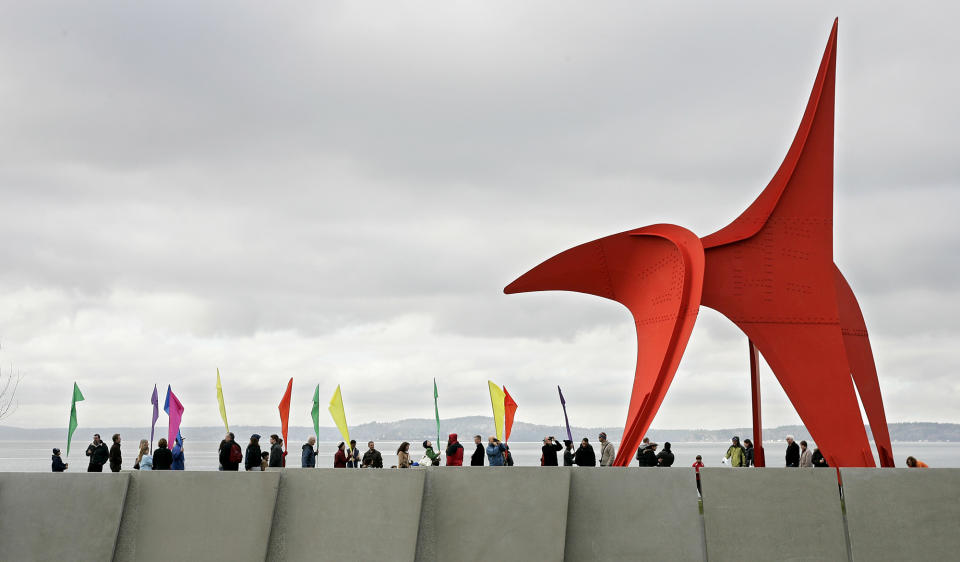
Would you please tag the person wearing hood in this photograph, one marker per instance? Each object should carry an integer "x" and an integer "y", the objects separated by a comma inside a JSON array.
[
  {"x": 647, "y": 455},
  {"x": 56, "y": 463},
  {"x": 665, "y": 458},
  {"x": 568, "y": 453},
  {"x": 549, "y": 451},
  {"x": 115, "y": 458},
  {"x": 276, "y": 451},
  {"x": 476, "y": 459},
  {"x": 251, "y": 461},
  {"x": 494, "y": 452},
  {"x": 454, "y": 451},
  {"x": 736, "y": 454},
  {"x": 308, "y": 457},
  {"x": 607, "y": 452},
  {"x": 432, "y": 455},
  {"x": 340, "y": 457},
  {"x": 177, "y": 452},
  {"x": 585, "y": 455},
  {"x": 162, "y": 457}
]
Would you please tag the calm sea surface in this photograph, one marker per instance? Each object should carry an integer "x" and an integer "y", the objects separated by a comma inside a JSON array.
[{"x": 34, "y": 456}]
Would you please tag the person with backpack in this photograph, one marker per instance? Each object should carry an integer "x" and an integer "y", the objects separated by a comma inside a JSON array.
[
  {"x": 230, "y": 454},
  {"x": 736, "y": 453},
  {"x": 252, "y": 459}
]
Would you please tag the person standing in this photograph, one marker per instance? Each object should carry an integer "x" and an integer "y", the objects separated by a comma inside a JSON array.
[
  {"x": 353, "y": 455},
  {"x": 115, "y": 459},
  {"x": 507, "y": 455},
  {"x": 56, "y": 463},
  {"x": 736, "y": 454},
  {"x": 494, "y": 452},
  {"x": 432, "y": 456},
  {"x": 251, "y": 461},
  {"x": 177, "y": 452},
  {"x": 648, "y": 454},
  {"x": 454, "y": 451},
  {"x": 607, "y": 452},
  {"x": 793, "y": 452},
  {"x": 340, "y": 457},
  {"x": 162, "y": 457},
  {"x": 403, "y": 455},
  {"x": 98, "y": 453},
  {"x": 806, "y": 456},
  {"x": 372, "y": 457},
  {"x": 144, "y": 451},
  {"x": 665, "y": 458},
  {"x": 479, "y": 453},
  {"x": 697, "y": 465},
  {"x": 818, "y": 460},
  {"x": 549, "y": 450},
  {"x": 568, "y": 453},
  {"x": 308, "y": 457},
  {"x": 229, "y": 454},
  {"x": 276, "y": 451},
  {"x": 585, "y": 455},
  {"x": 748, "y": 452},
  {"x": 264, "y": 461}
]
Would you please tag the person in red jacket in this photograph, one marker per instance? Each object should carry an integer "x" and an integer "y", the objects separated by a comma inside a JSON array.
[
  {"x": 340, "y": 458},
  {"x": 454, "y": 451},
  {"x": 698, "y": 464}
]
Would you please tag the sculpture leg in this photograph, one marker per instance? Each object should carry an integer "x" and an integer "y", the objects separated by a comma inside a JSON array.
[{"x": 758, "y": 458}]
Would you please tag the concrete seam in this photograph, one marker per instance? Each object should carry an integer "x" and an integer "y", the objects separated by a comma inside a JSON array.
[
  {"x": 273, "y": 518},
  {"x": 123, "y": 509}
]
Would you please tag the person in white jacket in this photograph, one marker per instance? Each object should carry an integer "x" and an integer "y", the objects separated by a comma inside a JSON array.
[{"x": 607, "y": 452}]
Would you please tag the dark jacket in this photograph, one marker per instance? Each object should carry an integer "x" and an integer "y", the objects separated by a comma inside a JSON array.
[
  {"x": 818, "y": 459},
  {"x": 252, "y": 459},
  {"x": 57, "y": 463},
  {"x": 339, "y": 459},
  {"x": 99, "y": 454},
  {"x": 507, "y": 456},
  {"x": 162, "y": 459},
  {"x": 308, "y": 458},
  {"x": 353, "y": 458},
  {"x": 550, "y": 453},
  {"x": 115, "y": 458},
  {"x": 276, "y": 455},
  {"x": 647, "y": 456},
  {"x": 224, "y": 456},
  {"x": 372, "y": 459},
  {"x": 665, "y": 458},
  {"x": 585, "y": 456},
  {"x": 793, "y": 454},
  {"x": 478, "y": 455},
  {"x": 454, "y": 451},
  {"x": 568, "y": 457},
  {"x": 748, "y": 456}
]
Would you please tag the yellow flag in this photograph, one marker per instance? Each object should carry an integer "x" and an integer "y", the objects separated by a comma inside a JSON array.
[
  {"x": 339, "y": 416},
  {"x": 496, "y": 400},
  {"x": 223, "y": 408}
]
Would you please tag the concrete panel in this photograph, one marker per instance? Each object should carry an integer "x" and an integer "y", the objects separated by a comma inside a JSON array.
[
  {"x": 347, "y": 515},
  {"x": 902, "y": 513},
  {"x": 69, "y": 516},
  {"x": 494, "y": 513},
  {"x": 174, "y": 515},
  {"x": 772, "y": 514},
  {"x": 634, "y": 514}
]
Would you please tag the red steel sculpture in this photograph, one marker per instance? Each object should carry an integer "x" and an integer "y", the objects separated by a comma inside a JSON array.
[{"x": 771, "y": 272}]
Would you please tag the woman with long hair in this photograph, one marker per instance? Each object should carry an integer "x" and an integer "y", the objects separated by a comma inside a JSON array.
[
  {"x": 144, "y": 450},
  {"x": 340, "y": 457},
  {"x": 403, "y": 455}
]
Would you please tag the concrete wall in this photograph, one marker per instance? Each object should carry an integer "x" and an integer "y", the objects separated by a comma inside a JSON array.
[
  {"x": 331, "y": 514},
  {"x": 772, "y": 514},
  {"x": 482, "y": 513},
  {"x": 617, "y": 514},
  {"x": 493, "y": 513},
  {"x": 902, "y": 513},
  {"x": 71, "y": 516},
  {"x": 197, "y": 516}
]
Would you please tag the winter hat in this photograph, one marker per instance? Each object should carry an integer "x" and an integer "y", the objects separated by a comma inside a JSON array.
[
  {"x": 56, "y": 451},
  {"x": 425, "y": 443},
  {"x": 255, "y": 436}
]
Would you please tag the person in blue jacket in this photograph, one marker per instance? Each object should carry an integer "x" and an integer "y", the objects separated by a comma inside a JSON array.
[
  {"x": 177, "y": 455},
  {"x": 495, "y": 451},
  {"x": 57, "y": 463},
  {"x": 308, "y": 458}
]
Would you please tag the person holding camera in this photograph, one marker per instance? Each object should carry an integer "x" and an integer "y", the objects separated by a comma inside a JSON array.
[
  {"x": 495, "y": 451},
  {"x": 550, "y": 449}
]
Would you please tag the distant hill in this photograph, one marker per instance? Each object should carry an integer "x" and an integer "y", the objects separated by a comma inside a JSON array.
[{"x": 416, "y": 430}]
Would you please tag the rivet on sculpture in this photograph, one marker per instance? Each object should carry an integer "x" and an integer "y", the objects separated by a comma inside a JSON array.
[{"x": 771, "y": 272}]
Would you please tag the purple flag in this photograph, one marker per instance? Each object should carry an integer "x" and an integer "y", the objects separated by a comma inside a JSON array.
[
  {"x": 176, "y": 414},
  {"x": 564, "y": 404},
  {"x": 156, "y": 414}
]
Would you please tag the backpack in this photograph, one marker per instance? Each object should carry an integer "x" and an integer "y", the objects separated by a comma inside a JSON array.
[{"x": 236, "y": 455}]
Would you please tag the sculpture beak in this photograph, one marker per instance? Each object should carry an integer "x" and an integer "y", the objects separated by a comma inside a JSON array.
[{"x": 582, "y": 269}]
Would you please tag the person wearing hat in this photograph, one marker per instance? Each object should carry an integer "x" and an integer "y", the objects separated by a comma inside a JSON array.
[
  {"x": 736, "y": 453},
  {"x": 607, "y": 452},
  {"x": 177, "y": 452},
  {"x": 430, "y": 453},
  {"x": 251, "y": 461},
  {"x": 568, "y": 453},
  {"x": 57, "y": 463}
]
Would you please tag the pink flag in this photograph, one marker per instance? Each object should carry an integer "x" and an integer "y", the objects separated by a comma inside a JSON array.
[{"x": 176, "y": 414}]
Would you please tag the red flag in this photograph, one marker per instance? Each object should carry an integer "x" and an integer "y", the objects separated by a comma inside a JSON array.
[
  {"x": 509, "y": 408},
  {"x": 285, "y": 417}
]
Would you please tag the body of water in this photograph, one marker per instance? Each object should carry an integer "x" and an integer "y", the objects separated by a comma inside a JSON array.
[{"x": 34, "y": 456}]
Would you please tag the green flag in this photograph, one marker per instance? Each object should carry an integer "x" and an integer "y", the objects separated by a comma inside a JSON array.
[
  {"x": 77, "y": 397},
  {"x": 315, "y": 412},
  {"x": 436, "y": 410}
]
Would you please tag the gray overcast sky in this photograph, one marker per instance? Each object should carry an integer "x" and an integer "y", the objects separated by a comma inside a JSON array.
[{"x": 339, "y": 191}]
